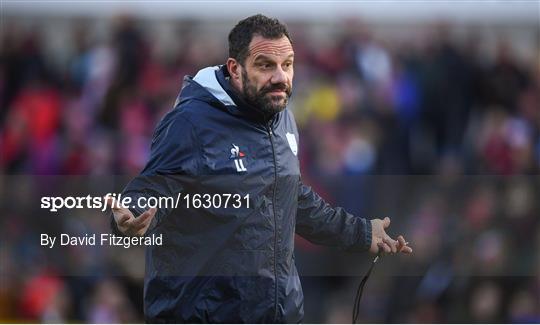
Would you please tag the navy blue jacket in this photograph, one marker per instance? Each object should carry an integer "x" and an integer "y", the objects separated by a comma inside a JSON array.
[{"x": 226, "y": 264}]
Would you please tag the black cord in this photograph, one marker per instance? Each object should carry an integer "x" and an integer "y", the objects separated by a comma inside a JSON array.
[{"x": 360, "y": 290}]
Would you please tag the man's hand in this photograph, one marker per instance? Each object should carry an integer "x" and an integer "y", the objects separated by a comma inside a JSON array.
[
  {"x": 126, "y": 222},
  {"x": 381, "y": 242}
]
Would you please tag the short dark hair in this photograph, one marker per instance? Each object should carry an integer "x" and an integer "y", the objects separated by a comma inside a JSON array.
[{"x": 241, "y": 35}]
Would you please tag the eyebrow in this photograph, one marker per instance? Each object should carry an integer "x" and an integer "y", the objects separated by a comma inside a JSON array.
[{"x": 264, "y": 57}]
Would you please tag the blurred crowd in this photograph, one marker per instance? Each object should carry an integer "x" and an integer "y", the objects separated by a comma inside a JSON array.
[{"x": 452, "y": 132}]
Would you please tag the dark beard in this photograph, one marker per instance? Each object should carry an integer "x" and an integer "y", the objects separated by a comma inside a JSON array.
[{"x": 261, "y": 100}]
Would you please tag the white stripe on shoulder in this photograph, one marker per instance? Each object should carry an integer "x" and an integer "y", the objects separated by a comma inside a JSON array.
[{"x": 207, "y": 78}]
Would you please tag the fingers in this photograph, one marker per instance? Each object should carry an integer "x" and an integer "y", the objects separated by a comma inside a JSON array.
[
  {"x": 127, "y": 223},
  {"x": 401, "y": 241},
  {"x": 141, "y": 224},
  {"x": 402, "y": 246},
  {"x": 111, "y": 202},
  {"x": 122, "y": 219},
  {"x": 391, "y": 243},
  {"x": 122, "y": 216},
  {"x": 386, "y": 222},
  {"x": 406, "y": 250},
  {"x": 384, "y": 248},
  {"x": 145, "y": 218},
  {"x": 114, "y": 204}
]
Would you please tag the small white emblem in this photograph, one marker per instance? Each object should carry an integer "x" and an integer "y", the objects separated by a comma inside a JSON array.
[
  {"x": 237, "y": 155},
  {"x": 292, "y": 143}
]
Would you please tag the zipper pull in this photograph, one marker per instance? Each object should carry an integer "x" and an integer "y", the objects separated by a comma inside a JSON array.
[{"x": 269, "y": 130}]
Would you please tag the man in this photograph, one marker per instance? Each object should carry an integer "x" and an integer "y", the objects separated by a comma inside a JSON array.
[{"x": 230, "y": 133}]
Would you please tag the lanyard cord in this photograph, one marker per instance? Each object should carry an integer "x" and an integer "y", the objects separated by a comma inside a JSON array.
[{"x": 360, "y": 290}]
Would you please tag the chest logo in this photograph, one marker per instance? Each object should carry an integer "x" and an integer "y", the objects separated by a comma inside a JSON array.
[
  {"x": 292, "y": 143},
  {"x": 237, "y": 155}
]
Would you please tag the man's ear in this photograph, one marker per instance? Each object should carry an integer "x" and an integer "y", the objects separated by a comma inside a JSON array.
[{"x": 234, "y": 69}]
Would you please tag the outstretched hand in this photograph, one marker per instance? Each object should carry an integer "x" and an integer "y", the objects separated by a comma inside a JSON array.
[
  {"x": 126, "y": 222},
  {"x": 382, "y": 243}
]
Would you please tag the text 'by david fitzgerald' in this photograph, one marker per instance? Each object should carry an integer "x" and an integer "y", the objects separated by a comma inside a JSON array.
[{"x": 100, "y": 240}]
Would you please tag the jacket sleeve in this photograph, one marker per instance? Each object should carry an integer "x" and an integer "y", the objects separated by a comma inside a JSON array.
[
  {"x": 323, "y": 224},
  {"x": 173, "y": 160}
]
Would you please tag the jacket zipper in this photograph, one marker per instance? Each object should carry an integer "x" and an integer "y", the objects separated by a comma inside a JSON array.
[{"x": 271, "y": 135}]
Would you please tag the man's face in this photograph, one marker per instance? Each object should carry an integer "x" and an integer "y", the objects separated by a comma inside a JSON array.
[{"x": 267, "y": 73}]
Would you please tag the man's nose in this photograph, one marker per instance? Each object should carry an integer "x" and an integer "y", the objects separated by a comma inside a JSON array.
[{"x": 279, "y": 76}]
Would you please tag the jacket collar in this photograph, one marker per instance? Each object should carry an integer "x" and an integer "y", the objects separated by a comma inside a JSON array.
[{"x": 216, "y": 80}]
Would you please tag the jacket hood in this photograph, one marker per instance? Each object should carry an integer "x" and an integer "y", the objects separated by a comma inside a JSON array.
[{"x": 212, "y": 86}]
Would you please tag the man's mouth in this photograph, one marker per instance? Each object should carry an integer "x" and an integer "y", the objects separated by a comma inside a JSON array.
[{"x": 277, "y": 92}]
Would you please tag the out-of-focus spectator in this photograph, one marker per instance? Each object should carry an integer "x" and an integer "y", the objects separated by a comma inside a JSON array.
[{"x": 109, "y": 304}]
